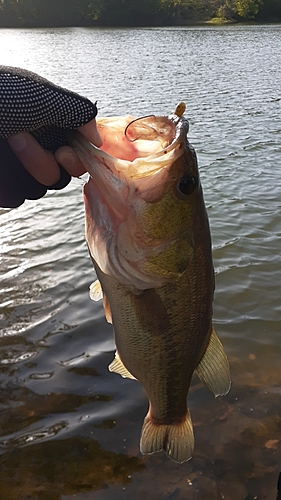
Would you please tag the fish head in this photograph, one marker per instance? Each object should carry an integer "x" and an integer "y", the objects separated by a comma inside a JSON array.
[{"x": 142, "y": 199}]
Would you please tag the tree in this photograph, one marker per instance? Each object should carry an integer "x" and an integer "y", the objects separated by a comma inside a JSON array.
[
  {"x": 247, "y": 9},
  {"x": 32, "y": 13},
  {"x": 227, "y": 9}
]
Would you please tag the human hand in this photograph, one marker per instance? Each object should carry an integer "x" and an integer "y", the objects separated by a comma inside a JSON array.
[
  {"x": 42, "y": 164},
  {"x": 34, "y": 115}
]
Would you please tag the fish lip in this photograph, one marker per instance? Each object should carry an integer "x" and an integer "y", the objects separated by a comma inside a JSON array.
[{"x": 117, "y": 166}]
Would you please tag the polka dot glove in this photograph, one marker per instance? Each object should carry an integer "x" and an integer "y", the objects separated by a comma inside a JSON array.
[{"x": 30, "y": 103}]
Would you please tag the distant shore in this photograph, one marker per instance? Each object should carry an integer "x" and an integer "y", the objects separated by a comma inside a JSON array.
[
  {"x": 133, "y": 13},
  {"x": 216, "y": 21}
]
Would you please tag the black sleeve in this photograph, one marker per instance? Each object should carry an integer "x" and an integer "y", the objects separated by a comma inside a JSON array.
[
  {"x": 31, "y": 103},
  {"x": 16, "y": 183}
]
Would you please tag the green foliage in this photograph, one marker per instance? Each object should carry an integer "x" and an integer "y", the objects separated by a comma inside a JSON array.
[
  {"x": 227, "y": 9},
  {"x": 238, "y": 9},
  {"x": 247, "y": 9},
  {"x": 132, "y": 12}
]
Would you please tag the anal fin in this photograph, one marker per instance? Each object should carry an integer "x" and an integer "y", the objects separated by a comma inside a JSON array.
[
  {"x": 118, "y": 367},
  {"x": 213, "y": 369},
  {"x": 177, "y": 440}
]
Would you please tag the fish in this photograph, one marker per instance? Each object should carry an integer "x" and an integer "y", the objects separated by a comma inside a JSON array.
[{"x": 148, "y": 236}]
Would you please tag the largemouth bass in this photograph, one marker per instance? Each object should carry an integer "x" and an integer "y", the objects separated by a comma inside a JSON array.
[{"x": 148, "y": 235}]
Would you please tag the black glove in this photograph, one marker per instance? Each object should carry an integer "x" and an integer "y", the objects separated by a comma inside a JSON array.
[{"x": 31, "y": 103}]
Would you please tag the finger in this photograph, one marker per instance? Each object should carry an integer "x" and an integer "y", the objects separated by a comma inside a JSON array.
[
  {"x": 91, "y": 133},
  {"x": 69, "y": 160},
  {"x": 67, "y": 157},
  {"x": 40, "y": 163}
]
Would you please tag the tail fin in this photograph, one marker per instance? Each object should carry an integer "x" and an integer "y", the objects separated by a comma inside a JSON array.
[{"x": 176, "y": 440}]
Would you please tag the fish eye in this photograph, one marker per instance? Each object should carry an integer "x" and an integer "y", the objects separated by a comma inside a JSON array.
[{"x": 187, "y": 184}]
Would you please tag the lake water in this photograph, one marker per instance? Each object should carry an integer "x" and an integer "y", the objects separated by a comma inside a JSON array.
[{"x": 69, "y": 428}]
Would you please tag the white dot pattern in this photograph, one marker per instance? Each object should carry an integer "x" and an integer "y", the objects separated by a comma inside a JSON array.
[{"x": 28, "y": 102}]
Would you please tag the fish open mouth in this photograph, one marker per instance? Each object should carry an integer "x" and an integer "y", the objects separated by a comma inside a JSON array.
[
  {"x": 127, "y": 141},
  {"x": 135, "y": 156},
  {"x": 128, "y": 173}
]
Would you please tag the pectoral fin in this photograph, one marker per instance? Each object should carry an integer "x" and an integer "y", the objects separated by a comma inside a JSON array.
[
  {"x": 213, "y": 369},
  {"x": 96, "y": 291},
  {"x": 118, "y": 367},
  {"x": 96, "y": 294}
]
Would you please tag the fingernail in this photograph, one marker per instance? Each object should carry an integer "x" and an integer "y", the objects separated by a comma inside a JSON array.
[
  {"x": 66, "y": 159},
  {"x": 17, "y": 142}
]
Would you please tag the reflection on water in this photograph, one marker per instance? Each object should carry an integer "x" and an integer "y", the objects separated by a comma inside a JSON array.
[
  {"x": 65, "y": 468},
  {"x": 237, "y": 446},
  {"x": 68, "y": 427}
]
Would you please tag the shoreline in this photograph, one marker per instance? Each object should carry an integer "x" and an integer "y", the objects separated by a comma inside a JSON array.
[{"x": 209, "y": 22}]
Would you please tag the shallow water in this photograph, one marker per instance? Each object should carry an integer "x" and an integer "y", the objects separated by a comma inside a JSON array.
[{"x": 68, "y": 427}]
